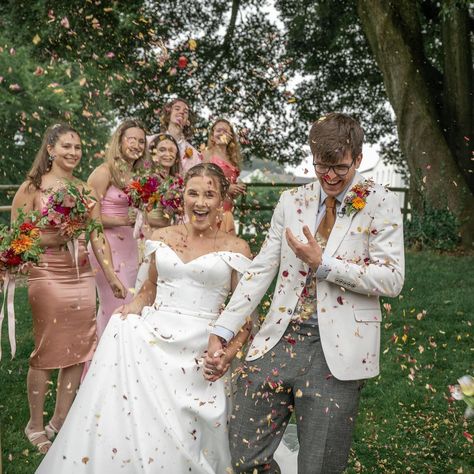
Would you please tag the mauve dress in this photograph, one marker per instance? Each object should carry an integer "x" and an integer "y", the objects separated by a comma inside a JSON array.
[
  {"x": 63, "y": 308},
  {"x": 124, "y": 255}
]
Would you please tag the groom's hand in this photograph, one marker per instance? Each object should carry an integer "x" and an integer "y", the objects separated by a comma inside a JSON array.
[
  {"x": 214, "y": 362},
  {"x": 309, "y": 252}
]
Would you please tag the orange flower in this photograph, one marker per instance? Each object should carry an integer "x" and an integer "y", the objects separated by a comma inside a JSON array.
[
  {"x": 21, "y": 244},
  {"x": 358, "y": 203},
  {"x": 189, "y": 152},
  {"x": 136, "y": 185},
  {"x": 34, "y": 233}
]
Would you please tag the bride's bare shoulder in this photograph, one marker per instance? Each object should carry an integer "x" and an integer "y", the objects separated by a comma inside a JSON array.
[{"x": 235, "y": 244}]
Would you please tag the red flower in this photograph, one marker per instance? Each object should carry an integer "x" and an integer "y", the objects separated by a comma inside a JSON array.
[
  {"x": 11, "y": 259},
  {"x": 285, "y": 273},
  {"x": 27, "y": 227},
  {"x": 182, "y": 62}
]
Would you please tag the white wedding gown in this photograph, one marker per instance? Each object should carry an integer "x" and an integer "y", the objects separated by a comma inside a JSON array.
[{"x": 144, "y": 406}]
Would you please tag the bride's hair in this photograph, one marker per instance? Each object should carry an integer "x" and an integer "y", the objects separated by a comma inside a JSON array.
[{"x": 211, "y": 170}]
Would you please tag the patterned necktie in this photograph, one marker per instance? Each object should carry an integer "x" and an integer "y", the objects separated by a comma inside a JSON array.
[{"x": 327, "y": 222}]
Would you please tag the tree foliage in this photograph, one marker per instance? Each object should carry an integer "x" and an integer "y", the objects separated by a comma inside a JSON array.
[{"x": 403, "y": 67}]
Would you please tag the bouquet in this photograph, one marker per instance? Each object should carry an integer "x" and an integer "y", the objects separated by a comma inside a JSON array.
[
  {"x": 19, "y": 247},
  {"x": 142, "y": 192},
  {"x": 464, "y": 391},
  {"x": 171, "y": 194},
  {"x": 68, "y": 209},
  {"x": 146, "y": 192},
  {"x": 20, "y": 243}
]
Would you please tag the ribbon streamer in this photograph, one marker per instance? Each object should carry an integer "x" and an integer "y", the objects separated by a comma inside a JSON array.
[
  {"x": 73, "y": 247},
  {"x": 9, "y": 298},
  {"x": 138, "y": 225}
]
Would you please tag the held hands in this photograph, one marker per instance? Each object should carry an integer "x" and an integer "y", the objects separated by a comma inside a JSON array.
[
  {"x": 309, "y": 252},
  {"x": 215, "y": 363}
]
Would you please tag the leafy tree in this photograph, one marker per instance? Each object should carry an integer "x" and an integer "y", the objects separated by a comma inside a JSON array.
[{"x": 418, "y": 55}]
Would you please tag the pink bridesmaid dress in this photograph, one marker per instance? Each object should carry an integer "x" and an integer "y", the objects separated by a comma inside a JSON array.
[
  {"x": 124, "y": 255},
  {"x": 231, "y": 172}
]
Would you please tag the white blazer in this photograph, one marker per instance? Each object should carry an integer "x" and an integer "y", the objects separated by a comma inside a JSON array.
[{"x": 369, "y": 263}]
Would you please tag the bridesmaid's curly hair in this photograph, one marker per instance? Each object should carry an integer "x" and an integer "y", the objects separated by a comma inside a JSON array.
[
  {"x": 211, "y": 170},
  {"x": 165, "y": 117},
  {"x": 42, "y": 163}
]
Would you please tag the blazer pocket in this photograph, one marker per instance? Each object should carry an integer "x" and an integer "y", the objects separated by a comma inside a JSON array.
[{"x": 368, "y": 315}]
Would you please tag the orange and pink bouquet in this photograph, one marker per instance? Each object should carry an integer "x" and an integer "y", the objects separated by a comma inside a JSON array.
[{"x": 68, "y": 208}]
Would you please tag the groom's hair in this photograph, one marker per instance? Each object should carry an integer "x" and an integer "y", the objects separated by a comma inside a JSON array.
[
  {"x": 335, "y": 135},
  {"x": 213, "y": 171}
]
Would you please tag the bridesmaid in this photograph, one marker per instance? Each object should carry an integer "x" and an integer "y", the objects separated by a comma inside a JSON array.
[
  {"x": 124, "y": 157},
  {"x": 164, "y": 153},
  {"x": 223, "y": 150},
  {"x": 177, "y": 119},
  {"x": 62, "y": 304}
]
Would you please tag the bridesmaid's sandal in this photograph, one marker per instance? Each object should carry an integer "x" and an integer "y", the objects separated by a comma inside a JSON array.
[
  {"x": 42, "y": 446},
  {"x": 51, "y": 431}
]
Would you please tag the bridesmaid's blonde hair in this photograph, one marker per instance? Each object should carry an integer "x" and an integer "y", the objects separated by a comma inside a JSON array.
[
  {"x": 113, "y": 153},
  {"x": 43, "y": 162},
  {"x": 233, "y": 147}
]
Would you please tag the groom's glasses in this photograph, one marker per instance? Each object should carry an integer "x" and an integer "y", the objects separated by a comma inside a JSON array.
[{"x": 340, "y": 170}]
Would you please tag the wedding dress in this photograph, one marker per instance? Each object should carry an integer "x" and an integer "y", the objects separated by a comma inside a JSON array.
[{"x": 144, "y": 406}]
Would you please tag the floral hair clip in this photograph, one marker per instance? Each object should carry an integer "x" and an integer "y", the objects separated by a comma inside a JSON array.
[{"x": 356, "y": 198}]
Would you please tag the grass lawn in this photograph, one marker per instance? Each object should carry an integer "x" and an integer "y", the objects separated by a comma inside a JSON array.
[{"x": 406, "y": 422}]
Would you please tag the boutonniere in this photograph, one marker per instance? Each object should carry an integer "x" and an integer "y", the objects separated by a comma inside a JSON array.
[
  {"x": 356, "y": 198},
  {"x": 188, "y": 153}
]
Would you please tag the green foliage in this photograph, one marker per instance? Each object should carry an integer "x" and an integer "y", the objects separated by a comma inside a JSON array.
[{"x": 432, "y": 229}]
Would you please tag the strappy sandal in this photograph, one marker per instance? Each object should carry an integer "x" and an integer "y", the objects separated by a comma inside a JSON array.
[
  {"x": 51, "y": 431},
  {"x": 32, "y": 437}
]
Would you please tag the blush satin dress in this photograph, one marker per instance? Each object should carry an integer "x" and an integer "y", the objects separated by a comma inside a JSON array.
[{"x": 62, "y": 300}]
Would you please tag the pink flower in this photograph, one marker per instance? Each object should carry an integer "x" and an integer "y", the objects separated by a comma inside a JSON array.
[
  {"x": 65, "y": 22},
  {"x": 69, "y": 201},
  {"x": 110, "y": 55}
]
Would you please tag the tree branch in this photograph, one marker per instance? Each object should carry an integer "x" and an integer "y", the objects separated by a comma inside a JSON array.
[{"x": 231, "y": 28}]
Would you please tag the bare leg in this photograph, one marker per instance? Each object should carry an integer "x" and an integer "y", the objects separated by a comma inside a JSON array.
[
  {"x": 68, "y": 383},
  {"x": 37, "y": 385}
]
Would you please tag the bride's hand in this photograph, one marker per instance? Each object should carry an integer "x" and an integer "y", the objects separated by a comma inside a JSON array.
[
  {"x": 126, "y": 309},
  {"x": 216, "y": 366}
]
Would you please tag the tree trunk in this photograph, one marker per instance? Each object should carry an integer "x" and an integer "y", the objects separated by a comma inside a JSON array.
[
  {"x": 393, "y": 40},
  {"x": 457, "y": 86}
]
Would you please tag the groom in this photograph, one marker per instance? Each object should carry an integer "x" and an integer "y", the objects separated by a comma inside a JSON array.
[{"x": 335, "y": 246}]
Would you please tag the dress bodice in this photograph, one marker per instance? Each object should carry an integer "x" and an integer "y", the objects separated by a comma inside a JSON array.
[
  {"x": 114, "y": 202},
  {"x": 198, "y": 287},
  {"x": 230, "y": 171}
]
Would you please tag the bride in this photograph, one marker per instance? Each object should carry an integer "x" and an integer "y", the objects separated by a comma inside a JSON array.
[{"x": 145, "y": 405}]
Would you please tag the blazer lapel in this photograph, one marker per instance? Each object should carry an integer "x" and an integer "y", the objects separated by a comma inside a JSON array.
[
  {"x": 312, "y": 197},
  {"x": 343, "y": 222}
]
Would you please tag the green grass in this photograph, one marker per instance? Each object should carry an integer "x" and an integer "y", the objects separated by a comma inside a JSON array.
[{"x": 406, "y": 423}]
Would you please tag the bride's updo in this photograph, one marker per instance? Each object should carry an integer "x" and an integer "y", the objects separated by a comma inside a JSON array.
[{"x": 211, "y": 170}]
